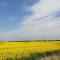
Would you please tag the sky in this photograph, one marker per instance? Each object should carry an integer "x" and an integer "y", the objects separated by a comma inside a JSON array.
[{"x": 29, "y": 20}]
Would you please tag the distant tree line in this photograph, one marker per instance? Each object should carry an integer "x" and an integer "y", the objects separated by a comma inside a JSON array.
[{"x": 33, "y": 40}]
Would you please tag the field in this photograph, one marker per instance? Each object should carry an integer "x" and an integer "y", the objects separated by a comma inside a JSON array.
[{"x": 44, "y": 50}]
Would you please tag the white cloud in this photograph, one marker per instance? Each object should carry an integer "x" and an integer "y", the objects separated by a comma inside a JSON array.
[
  {"x": 42, "y": 23},
  {"x": 45, "y": 6}
]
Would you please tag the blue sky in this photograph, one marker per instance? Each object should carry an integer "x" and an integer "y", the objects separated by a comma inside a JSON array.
[
  {"x": 12, "y": 13},
  {"x": 29, "y": 19}
]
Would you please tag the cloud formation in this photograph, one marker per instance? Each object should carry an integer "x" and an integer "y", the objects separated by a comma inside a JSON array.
[
  {"x": 43, "y": 23},
  {"x": 44, "y": 20}
]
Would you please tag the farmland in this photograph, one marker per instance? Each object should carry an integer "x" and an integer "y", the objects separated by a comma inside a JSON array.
[{"x": 29, "y": 50}]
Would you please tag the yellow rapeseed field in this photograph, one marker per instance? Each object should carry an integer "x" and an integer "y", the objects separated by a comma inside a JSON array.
[{"x": 19, "y": 49}]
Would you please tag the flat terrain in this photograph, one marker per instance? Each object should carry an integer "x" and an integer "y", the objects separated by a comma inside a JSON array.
[{"x": 25, "y": 49}]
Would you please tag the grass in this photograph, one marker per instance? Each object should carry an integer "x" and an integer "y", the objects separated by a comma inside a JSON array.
[
  {"x": 29, "y": 50},
  {"x": 36, "y": 56}
]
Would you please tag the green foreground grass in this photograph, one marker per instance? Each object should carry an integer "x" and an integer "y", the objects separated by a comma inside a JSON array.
[{"x": 48, "y": 55}]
